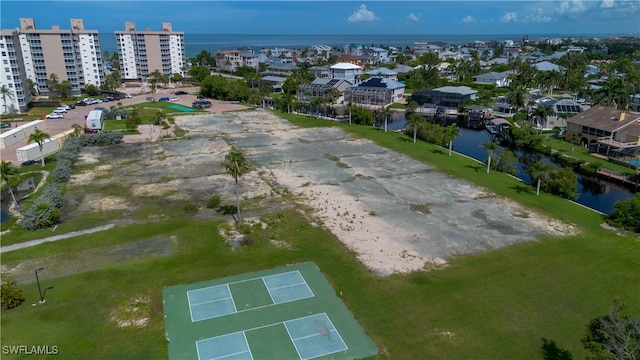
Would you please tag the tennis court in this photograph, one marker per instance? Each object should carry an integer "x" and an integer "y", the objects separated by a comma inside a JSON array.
[
  {"x": 284, "y": 313},
  {"x": 181, "y": 108}
]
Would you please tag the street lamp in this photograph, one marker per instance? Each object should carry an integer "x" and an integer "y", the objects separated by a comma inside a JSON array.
[{"x": 39, "y": 289}]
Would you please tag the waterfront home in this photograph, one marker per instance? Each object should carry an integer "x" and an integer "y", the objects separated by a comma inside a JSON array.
[
  {"x": 446, "y": 96},
  {"x": 548, "y": 66},
  {"x": 325, "y": 88},
  {"x": 605, "y": 129},
  {"x": 231, "y": 60},
  {"x": 375, "y": 93}
]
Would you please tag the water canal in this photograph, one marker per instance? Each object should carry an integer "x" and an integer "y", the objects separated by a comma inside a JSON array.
[{"x": 596, "y": 194}]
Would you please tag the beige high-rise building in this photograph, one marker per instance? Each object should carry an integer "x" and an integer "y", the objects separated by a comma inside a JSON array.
[
  {"x": 30, "y": 53},
  {"x": 143, "y": 52}
]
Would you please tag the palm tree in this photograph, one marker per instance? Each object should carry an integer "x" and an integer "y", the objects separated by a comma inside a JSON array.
[
  {"x": 538, "y": 171},
  {"x": 415, "y": 123},
  {"x": 236, "y": 165},
  {"x": 543, "y": 112},
  {"x": 450, "y": 133},
  {"x": 385, "y": 112},
  {"x": 490, "y": 146},
  {"x": 8, "y": 171},
  {"x": 6, "y": 93},
  {"x": 39, "y": 136}
]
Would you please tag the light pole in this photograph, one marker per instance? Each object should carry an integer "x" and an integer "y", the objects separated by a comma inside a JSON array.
[{"x": 39, "y": 289}]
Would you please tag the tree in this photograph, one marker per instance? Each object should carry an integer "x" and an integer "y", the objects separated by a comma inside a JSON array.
[
  {"x": 52, "y": 84},
  {"x": 9, "y": 172},
  {"x": 199, "y": 73},
  {"x": 491, "y": 147},
  {"x": 449, "y": 134},
  {"x": 539, "y": 171},
  {"x": 236, "y": 165},
  {"x": 613, "y": 336},
  {"x": 6, "y": 93},
  {"x": 92, "y": 90},
  {"x": 385, "y": 112},
  {"x": 176, "y": 77},
  {"x": 64, "y": 88},
  {"x": 156, "y": 77},
  {"x": 11, "y": 296},
  {"x": 39, "y": 137},
  {"x": 415, "y": 124},
  {"x": 543, "y": 112},
  {"x": 626, "y": 214}
]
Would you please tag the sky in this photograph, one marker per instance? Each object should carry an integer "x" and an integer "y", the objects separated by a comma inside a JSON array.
[{"x": 304, "y": 17}]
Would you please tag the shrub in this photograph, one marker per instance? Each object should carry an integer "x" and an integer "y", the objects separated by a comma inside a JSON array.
[
  {"x": 51, "y": 195},
  {"x": 62, "y": 172},
  {"x": 626, "y": 214},
  {"x": 190, "y": 208},
  {"x": 40, "y": 216},
  {"x": 215, "y": 201},
  {"x": 11, "y": 295},
  {"x": 102, "y": 138}
]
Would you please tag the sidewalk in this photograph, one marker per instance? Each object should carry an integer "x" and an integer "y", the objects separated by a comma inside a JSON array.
[{"x": 6, "y": 249}]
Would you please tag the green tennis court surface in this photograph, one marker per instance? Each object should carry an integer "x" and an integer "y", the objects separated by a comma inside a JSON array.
[
  {"x": 285, "y": 313},
  {"x": 181, "y": 108}
]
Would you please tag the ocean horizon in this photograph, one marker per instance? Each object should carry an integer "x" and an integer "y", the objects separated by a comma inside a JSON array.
[{"x": 195, "y": 43}]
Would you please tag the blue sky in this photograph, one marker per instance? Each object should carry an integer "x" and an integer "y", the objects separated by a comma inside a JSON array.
[{"x": 576, "y": 17}]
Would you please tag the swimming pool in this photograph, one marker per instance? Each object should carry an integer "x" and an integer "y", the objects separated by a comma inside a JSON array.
[
  {"x": 634, "y": 162},
  {"x": 182, "y": 108}
]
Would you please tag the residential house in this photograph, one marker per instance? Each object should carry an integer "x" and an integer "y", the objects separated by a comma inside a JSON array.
[
  {"x": 320, "y": 71},
  {"x": 279, "y": 69},
  {"x": 346, "y": 71},
  {"x": 383, "y": 72},
  {"x": 275, "y": 82},
  {"x": 379, "y": 55},
  {"x": 353, "y": 49},
  {"x": 231, "y": 60},
  {"x": 325, "y": 88},
  {"x": 351, "y": 59},
  {"x": 375, "y": 93},
  {"x": 605, "y": 129},
  {"x": 634, "y": 102},
  {"x": 499, "y": 79},
  {"x": 446, "y": 96},
  {"x": 548, "y": 66}
]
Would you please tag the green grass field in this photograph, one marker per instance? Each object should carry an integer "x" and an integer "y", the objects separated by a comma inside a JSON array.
[{"x": 494, "y": 305}]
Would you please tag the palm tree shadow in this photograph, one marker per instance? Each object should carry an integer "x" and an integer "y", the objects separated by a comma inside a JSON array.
[
  {"x": 522, "y": 189},
  {"x": 437, "y": 151},
  {"x": 228, "y": 210},
  {"x": 476, "y": 168}
]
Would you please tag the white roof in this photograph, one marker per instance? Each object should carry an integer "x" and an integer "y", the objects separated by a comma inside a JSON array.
[{"x": 345, "y": 66}]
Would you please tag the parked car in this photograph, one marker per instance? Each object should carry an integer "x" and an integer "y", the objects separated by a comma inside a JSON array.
[
  {"x": 60, "y": 110},
  {"x": 201, "y": 104},
  {"x": 109, "y": 98},
  {"x": 55, "y": 115},
  {"x": 163, "y": 99},
  {"x": 128, "y": 96},
  {"x": 174, "y": 99},
  {"x": 151, "y": 98},
  {"x": 180, "y": 92},
  {"x": 28, "y": 163},
  {"x": 66, "y": 107},
  {"x": 81, "y": 103}
]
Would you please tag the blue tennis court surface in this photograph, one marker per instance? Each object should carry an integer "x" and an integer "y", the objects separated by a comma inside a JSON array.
[{"x": 216, "y": 301}]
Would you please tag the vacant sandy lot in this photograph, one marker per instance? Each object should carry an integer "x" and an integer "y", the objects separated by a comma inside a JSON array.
[{"x": 397, "y": 215}]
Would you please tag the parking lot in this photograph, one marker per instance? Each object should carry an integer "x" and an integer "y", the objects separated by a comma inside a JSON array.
[{"x": 55, "y": 127}]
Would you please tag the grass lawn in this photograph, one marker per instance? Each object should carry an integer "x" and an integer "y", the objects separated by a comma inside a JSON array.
[{"x": 494, "y": 305}]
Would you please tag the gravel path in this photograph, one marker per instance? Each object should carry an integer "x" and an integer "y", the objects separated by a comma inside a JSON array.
[{"x": 6, "y": 249}]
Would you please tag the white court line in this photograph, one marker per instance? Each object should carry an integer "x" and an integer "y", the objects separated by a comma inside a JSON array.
[
  {"x": 207, "y": 302},
  {"x": 227, "y": 355}
]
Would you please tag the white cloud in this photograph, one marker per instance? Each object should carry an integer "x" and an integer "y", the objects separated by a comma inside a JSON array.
[
  {"x": 509, "y": 17},
  {"x": 607, "y": 4},
  {"x": 362, "y": 15},
  {"x": 537, "y": 16},
  {"x": 414, "y": 17},
  {"x": 468, "y": 19},
  {"x": 572, "y": 8}
]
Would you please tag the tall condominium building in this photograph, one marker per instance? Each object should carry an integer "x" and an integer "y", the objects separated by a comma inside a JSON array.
[
  {"x": 142, "y": 52},
  {"x": 29, "y": 53}
]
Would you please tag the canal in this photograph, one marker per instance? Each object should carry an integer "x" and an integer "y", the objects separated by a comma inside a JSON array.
[{"x": 594, "y": 193}]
